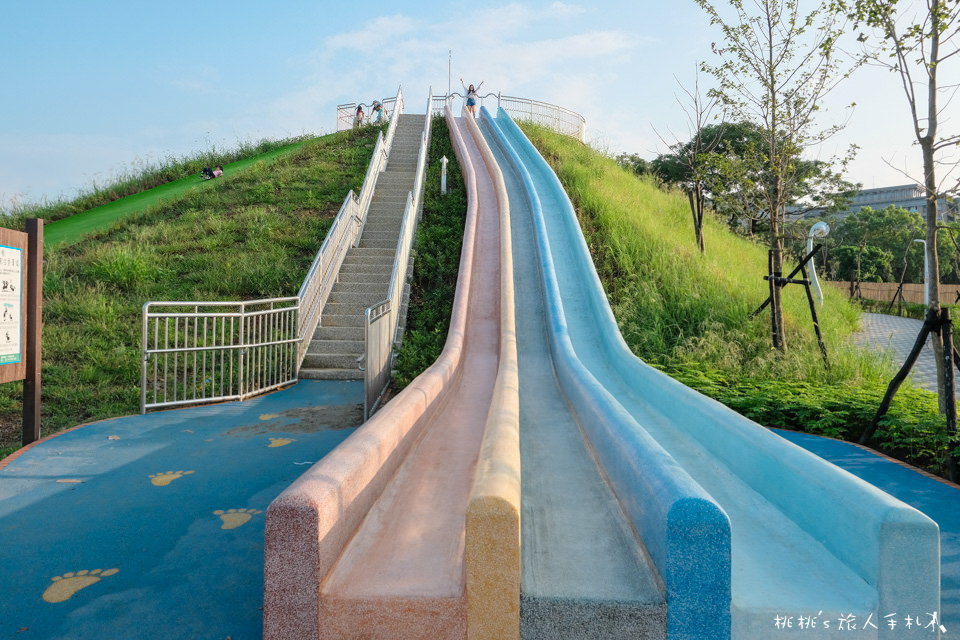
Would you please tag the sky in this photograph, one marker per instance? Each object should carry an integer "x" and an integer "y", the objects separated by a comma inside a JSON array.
[{"x": 95, "y": 89}]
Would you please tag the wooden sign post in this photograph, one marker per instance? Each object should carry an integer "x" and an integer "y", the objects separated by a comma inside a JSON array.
[{"x": 21, "y": 300}]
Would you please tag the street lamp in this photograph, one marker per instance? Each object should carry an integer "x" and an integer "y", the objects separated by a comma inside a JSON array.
[{"x": 819, "y": 230}]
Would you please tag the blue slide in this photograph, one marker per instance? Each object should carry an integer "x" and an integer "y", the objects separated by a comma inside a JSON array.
[{"x": 745, "y": 529}]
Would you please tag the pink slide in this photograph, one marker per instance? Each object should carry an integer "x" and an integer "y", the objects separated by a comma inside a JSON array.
[{"x": 389, "y": 535}]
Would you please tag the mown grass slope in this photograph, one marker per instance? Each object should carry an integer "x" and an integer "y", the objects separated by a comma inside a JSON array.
[
  {"x": 689, "y": 314},
  {"x": 250, "y": 234}
]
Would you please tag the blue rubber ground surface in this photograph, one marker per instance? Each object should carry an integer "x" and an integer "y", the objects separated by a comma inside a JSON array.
[
  {"x": 939, "y": 501},
  {"x": 152, "y": 526}
]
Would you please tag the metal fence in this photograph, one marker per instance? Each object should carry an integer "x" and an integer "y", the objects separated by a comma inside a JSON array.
[
  {"x": 378, "y": 339},
  {"x": 383, "y": 318},
  {"x": 887, "y": 291},
  {"x": 556, "y": 118},
  {"x": 199, "y": 352},
  {"x": 213, "y": 351}
]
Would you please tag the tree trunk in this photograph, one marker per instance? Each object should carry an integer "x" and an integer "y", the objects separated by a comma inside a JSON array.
[
  {"x": 776, "y": 247},
  {"x": 695, "y": 195},
  {"x": 932, "y": 276}
]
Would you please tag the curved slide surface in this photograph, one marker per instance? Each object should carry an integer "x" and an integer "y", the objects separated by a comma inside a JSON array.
[{"x": 805, "y": 538}]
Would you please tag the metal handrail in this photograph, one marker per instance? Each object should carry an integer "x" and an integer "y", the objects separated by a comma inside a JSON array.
[
  {"x": 240, "y": 350},
  {"x": 347, "y": 112},
  {"x": 559, "y": 119},
  {"x": 379, "y": 339}
]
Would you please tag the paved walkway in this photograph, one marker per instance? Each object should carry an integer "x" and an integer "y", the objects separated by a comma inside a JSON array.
[
  {"x": 896, "y": 336},
  {"x": 152, "y": 526}
]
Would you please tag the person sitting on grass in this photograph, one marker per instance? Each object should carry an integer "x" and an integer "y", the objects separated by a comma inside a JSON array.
[{"x": 209, "y": 174}]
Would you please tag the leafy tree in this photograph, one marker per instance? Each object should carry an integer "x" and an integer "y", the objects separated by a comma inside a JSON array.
[
  {"x": 735, "y": 175},
  {"x": 917, "y": 45},
  {"x": 689, "y": 165},
  {"x": 635, "y": 163},
  {"x": 863, "y": 263},
  {"x": 776, "y": 65},
  {"x": 892, "y": 231}
]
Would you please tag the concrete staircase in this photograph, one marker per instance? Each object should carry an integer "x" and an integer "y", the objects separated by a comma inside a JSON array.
[{"x": 336, "y": 351}]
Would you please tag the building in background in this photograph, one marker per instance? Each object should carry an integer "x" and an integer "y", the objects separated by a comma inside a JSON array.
[{"x": 908, "y": 196}]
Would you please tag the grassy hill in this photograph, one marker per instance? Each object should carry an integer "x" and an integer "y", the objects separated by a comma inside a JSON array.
[
  {"x": 250, "y": 234},
  {"x": 254, "y": 232}
]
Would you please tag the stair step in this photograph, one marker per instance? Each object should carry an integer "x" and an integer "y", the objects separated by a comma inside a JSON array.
[
  {"x": 343, "y": 309},
  {"x": 361, "y": 283},
  {"x": 336, "y": 348},
  {"x": 371, "y": 255},
  {"x": 326, "y": 361},
  {"x": 331, "y": 374},
  {"x": 330, "y": 319},
  {"x": 378, "y": 243},
  {"x": 368, "y": 268},
  {"x": 384, "y": 225},
  {"x": 338, "y": 333},
  {"x": 366, "y": 298},
  {"x": 375, "y": 234}
]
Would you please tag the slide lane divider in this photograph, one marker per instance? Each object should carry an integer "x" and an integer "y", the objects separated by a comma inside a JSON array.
[
  {"x": 686, "y": 533},
  {"x": 493, "y": 515}
]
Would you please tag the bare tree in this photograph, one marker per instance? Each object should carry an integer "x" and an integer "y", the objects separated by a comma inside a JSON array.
[
  {"x": 776, "y": 66},
  {"x": 916, "y": 44},
  {"x": 690, "y": 156}
]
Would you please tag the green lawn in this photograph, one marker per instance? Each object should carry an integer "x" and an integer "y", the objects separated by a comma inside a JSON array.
[{"x": 72, "y": 229}]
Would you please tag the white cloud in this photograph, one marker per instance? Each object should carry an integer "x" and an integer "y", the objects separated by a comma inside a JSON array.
[{"x": 373, "y": 35}]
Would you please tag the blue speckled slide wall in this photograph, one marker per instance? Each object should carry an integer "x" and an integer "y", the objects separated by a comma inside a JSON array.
[{"x": 890, "y": 550}]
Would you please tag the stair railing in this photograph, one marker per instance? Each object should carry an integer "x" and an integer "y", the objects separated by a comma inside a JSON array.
[
  {"x": 382, "y": 320},
  {"x": 344, "y": 233},
  {"x": 203, "y": 352}
]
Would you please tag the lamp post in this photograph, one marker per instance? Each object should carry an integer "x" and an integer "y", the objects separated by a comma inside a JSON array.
[
  {"x": 926, "y": 283},
  {"x": 819, "y": 230}
]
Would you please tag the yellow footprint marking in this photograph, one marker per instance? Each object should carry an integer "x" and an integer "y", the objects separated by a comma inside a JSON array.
[
  {"x": 233, "y": 518},
  {"x": 163, "y": 479},
  {"x": 279, "y": 442},
  {"x": 269, "y": 416},
  {"x": 65, "y": 586}
]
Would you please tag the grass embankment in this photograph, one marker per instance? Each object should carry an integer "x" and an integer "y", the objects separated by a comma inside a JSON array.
[
  {"x": 76, "y": 226},
  {"x": 437, "y": 250},
  {"x": 141, "y": 178},
  {"x": 688, "y": 315},
  {"x": 250, "y": 234}
]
